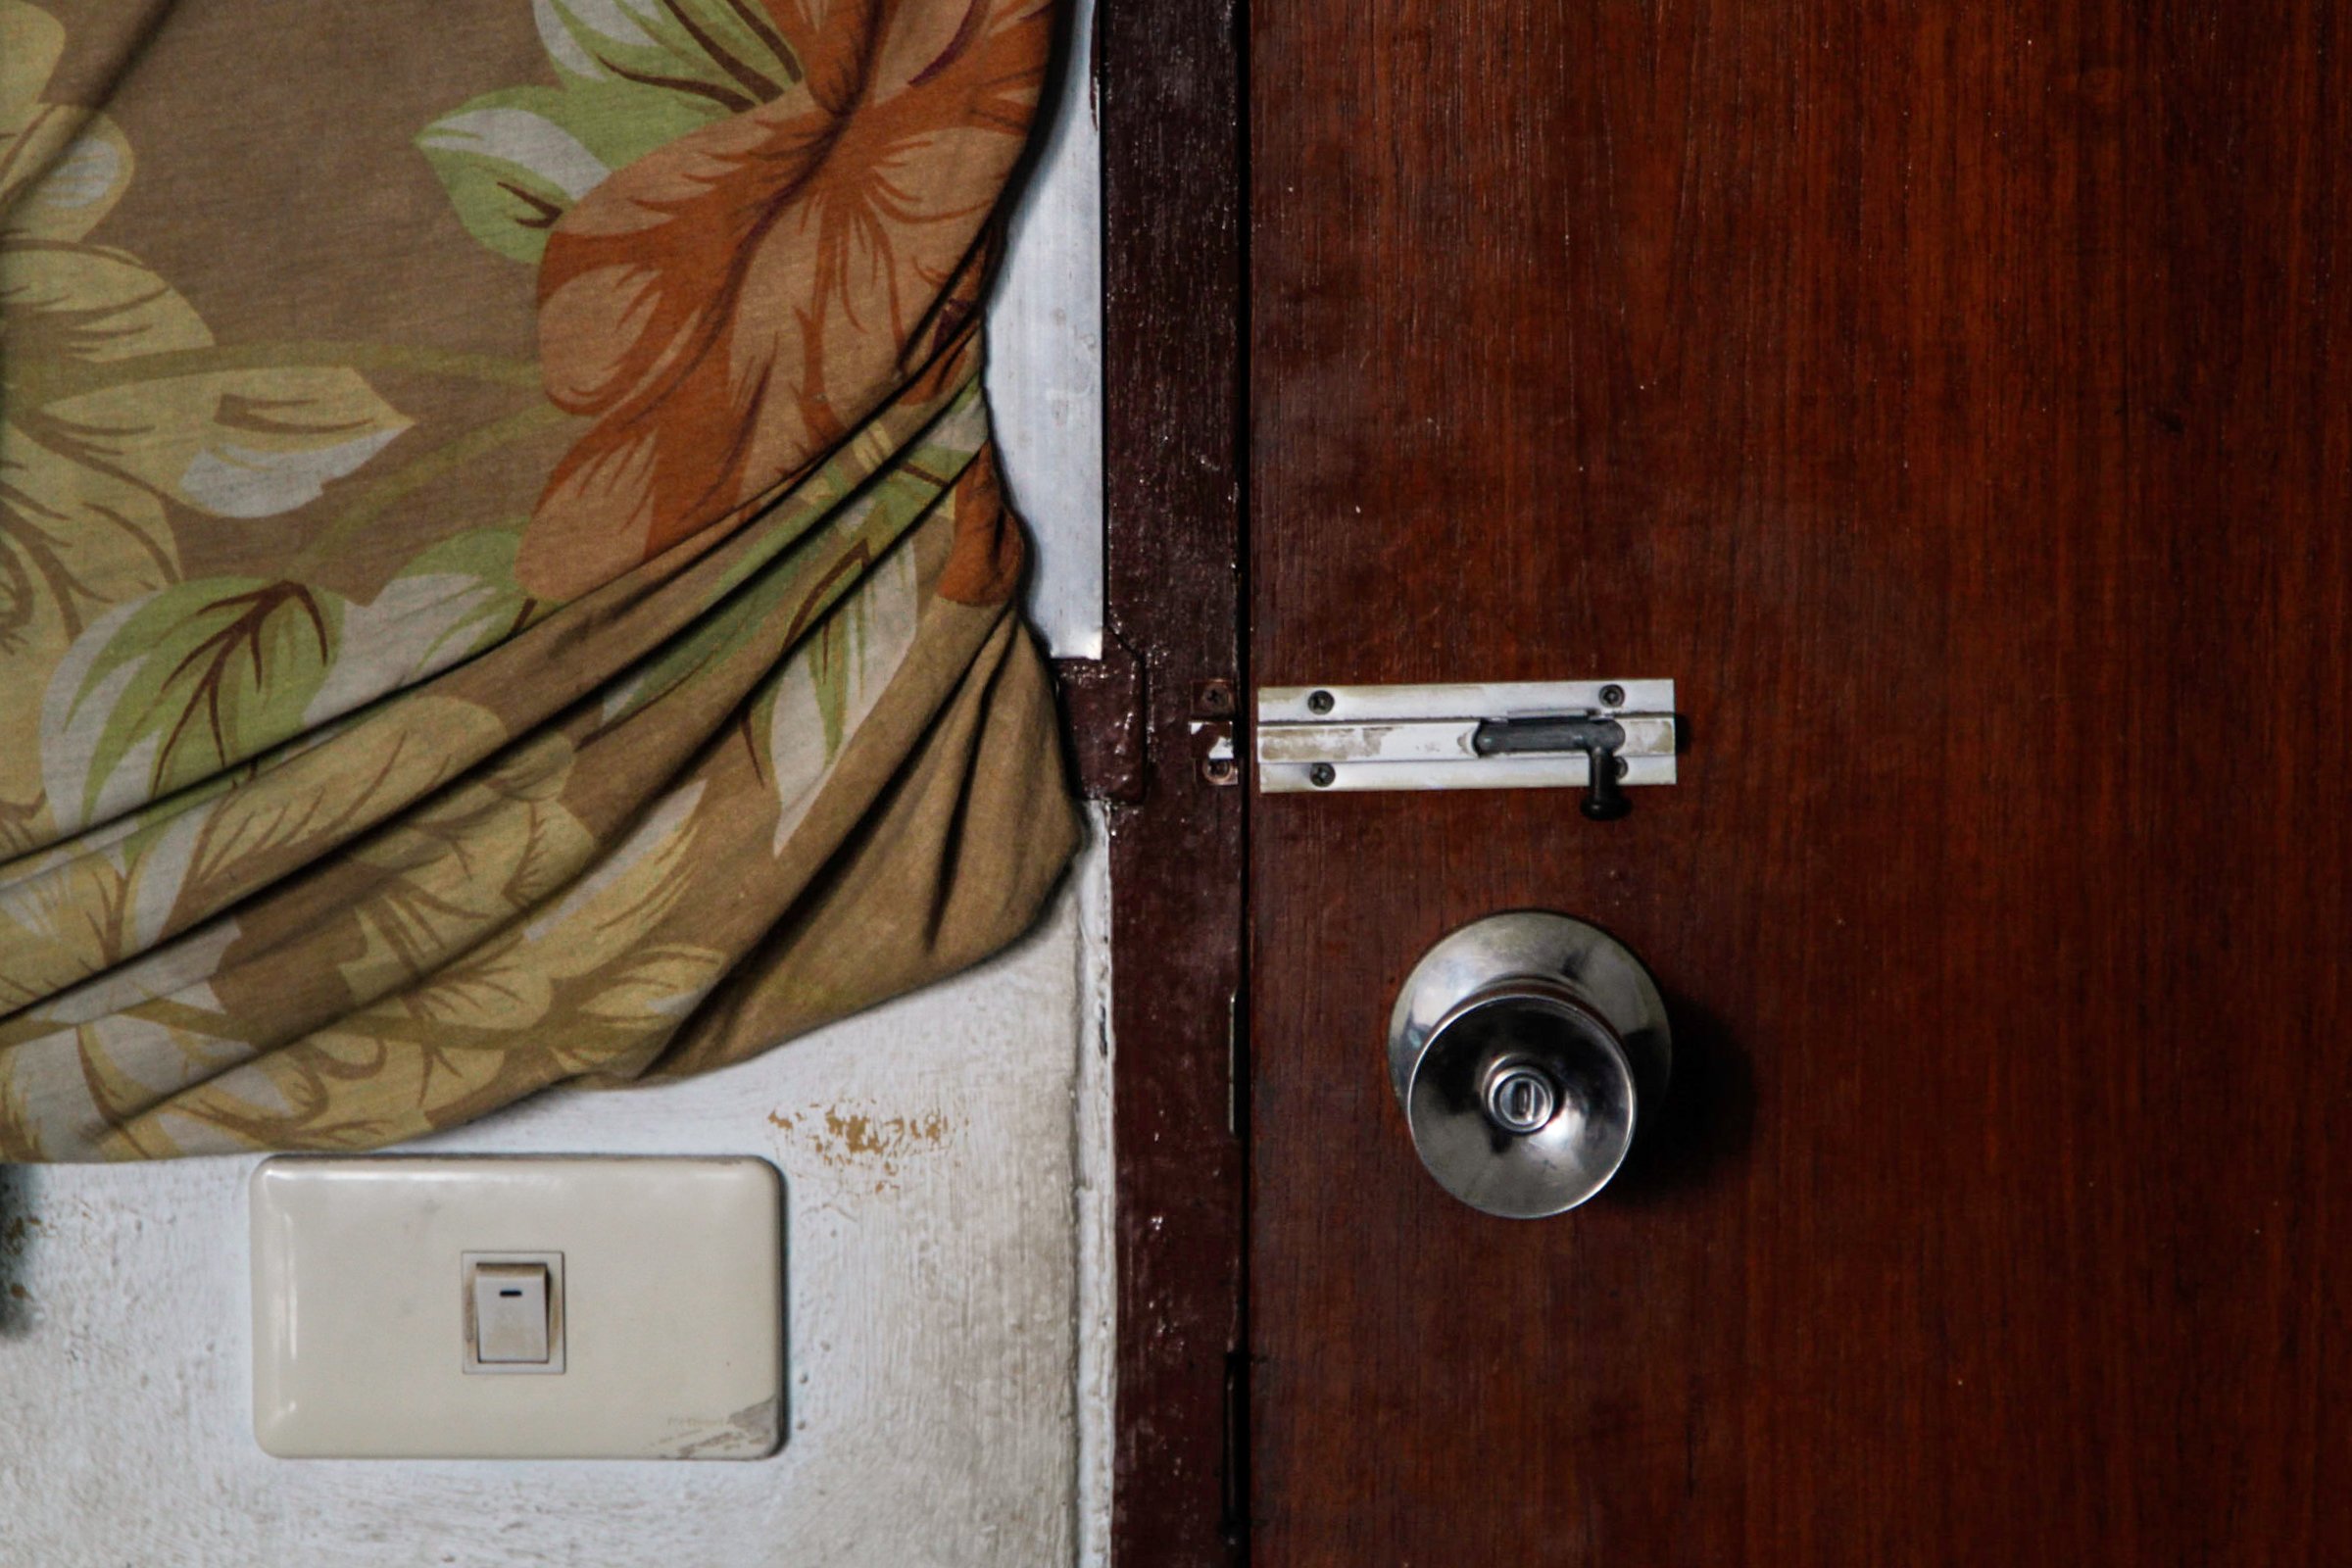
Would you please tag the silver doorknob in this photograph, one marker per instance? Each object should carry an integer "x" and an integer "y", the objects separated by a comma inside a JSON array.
[{"x": 1525, "y": 1048}]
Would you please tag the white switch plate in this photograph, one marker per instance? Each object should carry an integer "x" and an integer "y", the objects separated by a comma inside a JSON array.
[{"x": 673, "y": 1308}]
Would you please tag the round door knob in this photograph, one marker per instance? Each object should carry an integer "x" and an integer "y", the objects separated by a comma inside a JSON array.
[{"x": 1524, "y": 1047}]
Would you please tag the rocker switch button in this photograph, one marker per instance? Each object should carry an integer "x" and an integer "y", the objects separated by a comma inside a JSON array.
[{"x": 510, "y": 1313}]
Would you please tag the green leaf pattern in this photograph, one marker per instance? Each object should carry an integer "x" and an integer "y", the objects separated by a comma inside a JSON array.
[
  {"x": 515, "y": 161},
  {"x": 724, "y": 51},
  {"x": 636, "y": 75},
  {"x": 832, "y": 683},
  {"x": 176, "y": 686}
]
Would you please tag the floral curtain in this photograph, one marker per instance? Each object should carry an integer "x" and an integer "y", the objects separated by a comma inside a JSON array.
[{"x": 502, "y": 576}]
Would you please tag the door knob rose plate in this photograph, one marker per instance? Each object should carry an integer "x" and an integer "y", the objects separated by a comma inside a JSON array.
[{"x": 1525, "y": 1048}]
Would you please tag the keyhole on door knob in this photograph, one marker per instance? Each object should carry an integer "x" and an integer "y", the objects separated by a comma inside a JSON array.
[{"x": 1520, "y": 1098}]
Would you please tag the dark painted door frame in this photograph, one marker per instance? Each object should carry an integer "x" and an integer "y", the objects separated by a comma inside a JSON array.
[{"x": 1168, "y": 83}]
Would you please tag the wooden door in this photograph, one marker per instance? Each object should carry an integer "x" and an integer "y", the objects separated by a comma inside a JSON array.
[{"x": 1955, "y": 399}]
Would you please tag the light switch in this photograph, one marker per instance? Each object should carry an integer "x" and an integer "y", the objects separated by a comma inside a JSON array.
[
  {"x": 648, "y": 1319},
  {"x": 510, "y": 1313}
]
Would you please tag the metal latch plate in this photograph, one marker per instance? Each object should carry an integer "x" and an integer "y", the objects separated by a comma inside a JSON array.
[{"x": 1342, "y": 738}]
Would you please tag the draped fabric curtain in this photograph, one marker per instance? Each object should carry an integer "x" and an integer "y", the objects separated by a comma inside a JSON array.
[{"x": 503, "y": 576}]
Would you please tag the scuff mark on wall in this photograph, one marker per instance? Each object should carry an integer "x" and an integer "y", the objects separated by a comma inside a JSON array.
[{"x": 748, "y": 1434}]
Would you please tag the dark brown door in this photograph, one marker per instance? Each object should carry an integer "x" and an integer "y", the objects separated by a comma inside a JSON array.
[{"x": 1954, "y": 399}]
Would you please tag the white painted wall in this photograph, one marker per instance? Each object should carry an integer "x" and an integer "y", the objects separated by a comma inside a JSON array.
[
  {"x": 947, "y": 1170},
  {"x": 1045, "y": 360}
]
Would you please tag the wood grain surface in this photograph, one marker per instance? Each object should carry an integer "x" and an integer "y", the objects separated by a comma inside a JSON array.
[
  {"x": 1953, "y": 399},
  {"x": 1169, "y": 83}
]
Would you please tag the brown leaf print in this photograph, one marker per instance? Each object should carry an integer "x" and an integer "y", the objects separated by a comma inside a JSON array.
[
  {"x": 728, "y": 307},
  {"x": 985, "y": 566}
]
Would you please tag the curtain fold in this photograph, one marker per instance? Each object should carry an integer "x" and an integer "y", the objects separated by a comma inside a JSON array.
[{"x": 503, "y": 574}]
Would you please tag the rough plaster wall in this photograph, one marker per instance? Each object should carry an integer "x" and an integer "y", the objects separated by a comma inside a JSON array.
[
  {"x": 932, "y": 1264},
  {"x": 946, "y": 1160}
]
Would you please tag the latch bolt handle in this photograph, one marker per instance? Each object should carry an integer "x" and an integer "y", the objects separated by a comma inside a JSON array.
[
  {"x": 1597, "y": 738},
  {"x": 1605, "y": 801}
]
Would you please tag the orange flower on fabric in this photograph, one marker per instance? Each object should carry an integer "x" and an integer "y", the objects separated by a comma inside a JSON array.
[{"x": 728, "y": 307}]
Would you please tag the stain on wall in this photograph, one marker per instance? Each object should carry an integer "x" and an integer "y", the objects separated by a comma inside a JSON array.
[{"x": 863, "y": 1138}]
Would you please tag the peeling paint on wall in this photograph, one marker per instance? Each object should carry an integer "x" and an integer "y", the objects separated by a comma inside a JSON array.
[{"x": 849, "y": 1138}]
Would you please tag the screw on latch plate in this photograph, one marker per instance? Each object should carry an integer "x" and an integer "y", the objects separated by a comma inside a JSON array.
[
  {"x": 1213, "y": 704},
  {"x": 1597, "y": 738}
]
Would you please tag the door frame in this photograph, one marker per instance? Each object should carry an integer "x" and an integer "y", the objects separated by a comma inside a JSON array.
[{"x": 1168, "y": 83}]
